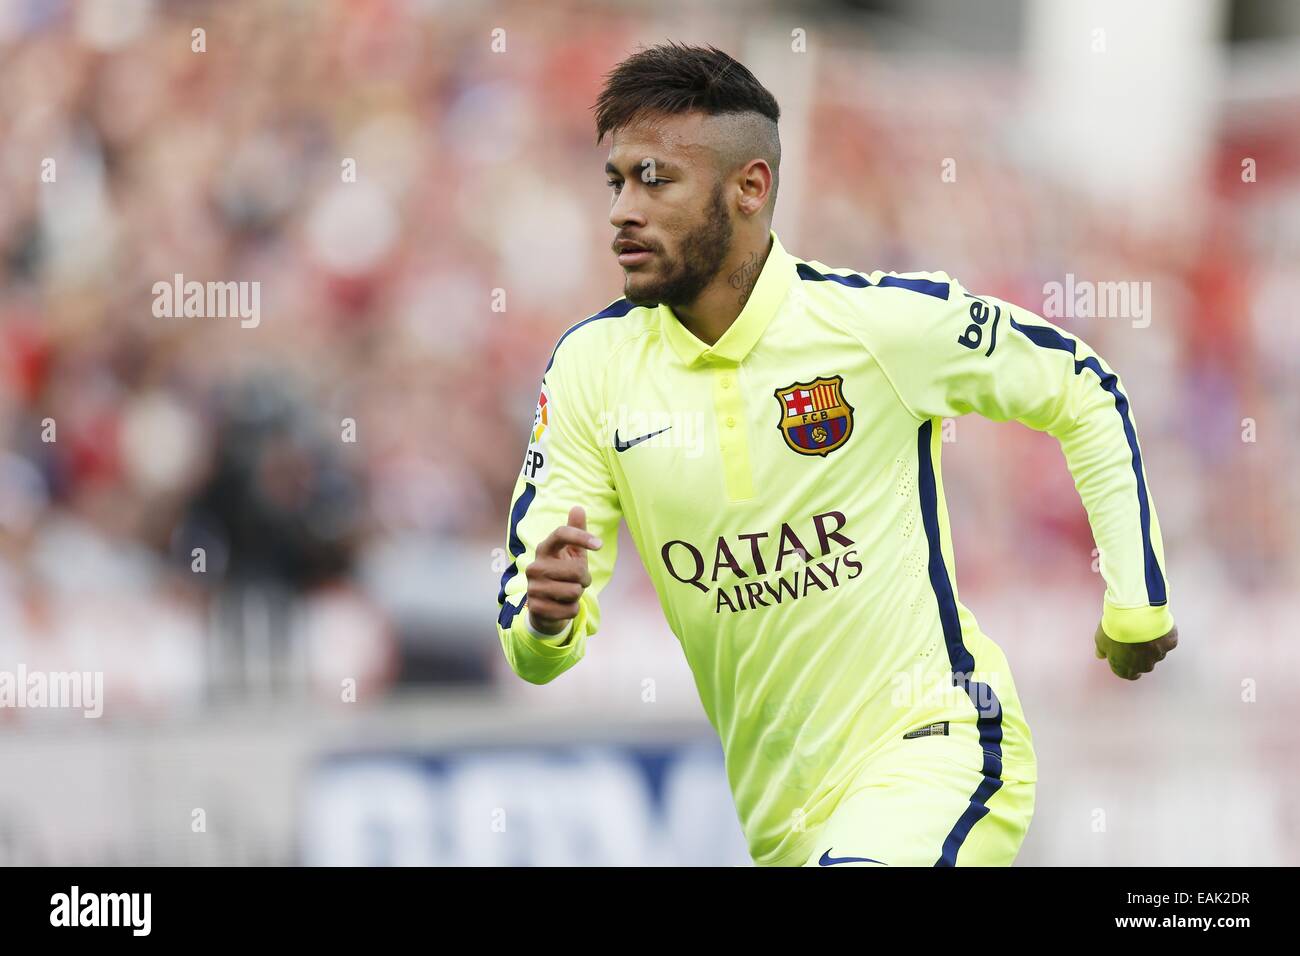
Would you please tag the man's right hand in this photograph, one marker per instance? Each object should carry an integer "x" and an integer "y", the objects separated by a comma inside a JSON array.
[
  {"x": 1131, "y": 661},
  {"x": 558, "y": 575}
]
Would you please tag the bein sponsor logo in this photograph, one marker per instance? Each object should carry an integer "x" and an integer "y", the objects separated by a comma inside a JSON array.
[
  {"x": 1082, "y": 299},
  {"x": 102, "y": 909},
  {"x": 179, "y": 299},
  {"x": 53, "y": 690}
]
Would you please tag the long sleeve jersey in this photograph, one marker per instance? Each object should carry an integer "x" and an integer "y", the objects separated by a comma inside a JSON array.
[{"x": 783, "y": 489}]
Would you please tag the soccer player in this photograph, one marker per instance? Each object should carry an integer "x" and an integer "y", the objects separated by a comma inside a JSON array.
[{"x": 769, "y": 429}]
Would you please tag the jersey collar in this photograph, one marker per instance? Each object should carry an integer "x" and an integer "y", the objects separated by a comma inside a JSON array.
[{"x": 737, "y": 342}]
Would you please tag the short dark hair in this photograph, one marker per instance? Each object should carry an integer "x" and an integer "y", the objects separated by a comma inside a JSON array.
[{"x": 677, "y": 78}]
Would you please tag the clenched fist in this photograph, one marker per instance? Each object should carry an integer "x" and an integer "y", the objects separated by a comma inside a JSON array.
[
  {"x": 1131, "y": 661},
  {"x": 558, "y": 575}
]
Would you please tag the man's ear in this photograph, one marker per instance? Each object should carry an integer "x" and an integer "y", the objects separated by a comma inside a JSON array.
[{"x": 755, "y": 186}]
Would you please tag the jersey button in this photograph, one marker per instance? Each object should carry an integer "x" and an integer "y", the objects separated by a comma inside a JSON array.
[
  {"x": 726, "y": 383},
  {"x": 731, "y": 422}
]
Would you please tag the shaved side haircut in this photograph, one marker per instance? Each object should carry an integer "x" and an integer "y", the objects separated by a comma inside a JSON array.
[{"x": 675, "y": 78}]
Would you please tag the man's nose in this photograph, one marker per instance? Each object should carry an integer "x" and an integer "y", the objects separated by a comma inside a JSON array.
[{"x": 625, "y": 210}]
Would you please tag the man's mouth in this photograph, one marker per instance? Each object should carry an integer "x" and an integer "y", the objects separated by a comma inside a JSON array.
[{"x": 632, "y": 253}]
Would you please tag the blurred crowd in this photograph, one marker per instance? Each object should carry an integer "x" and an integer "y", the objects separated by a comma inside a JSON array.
[{"x": 196, "y": 507}]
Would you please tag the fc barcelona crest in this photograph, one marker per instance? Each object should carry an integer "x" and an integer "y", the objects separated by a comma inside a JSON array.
[{"x": 815, "y": 418}]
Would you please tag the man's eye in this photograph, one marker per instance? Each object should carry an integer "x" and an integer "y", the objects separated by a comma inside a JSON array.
[
  {"x": 613, "y": 183},
  {"x": 655, "y": 181}
]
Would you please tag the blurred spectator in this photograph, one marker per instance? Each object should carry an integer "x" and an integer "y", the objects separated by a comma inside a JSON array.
[{"x": 380, "y": 172}]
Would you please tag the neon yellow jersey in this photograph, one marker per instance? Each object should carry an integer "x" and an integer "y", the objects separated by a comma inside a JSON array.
[{"x": 784, "y": 492}]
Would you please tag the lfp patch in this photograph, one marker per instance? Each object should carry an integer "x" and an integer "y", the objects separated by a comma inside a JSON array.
[
  {"x": 541, "y": 417},
  {"x": 815, "y": 418},
  {"x": 536, "y": 458}
]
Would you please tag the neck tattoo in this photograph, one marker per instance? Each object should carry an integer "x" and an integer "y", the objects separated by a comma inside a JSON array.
[{"x": 746, "y": 277}]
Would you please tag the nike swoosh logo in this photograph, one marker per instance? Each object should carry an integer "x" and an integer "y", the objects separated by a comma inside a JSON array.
[
  {"x": 828, "y": 860},
  {"x": 625, "y": 445}
]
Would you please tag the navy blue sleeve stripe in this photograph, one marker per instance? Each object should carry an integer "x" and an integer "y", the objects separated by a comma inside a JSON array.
[
  {"x": 517, "y": 514},
  {"x": 960, "y": 660},
  {"x": 1047, "y": 338},
  {"x": 614, "y": 310},
  {"x": 810, "y": 274},
  {"x": 937, "y": 289}
]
